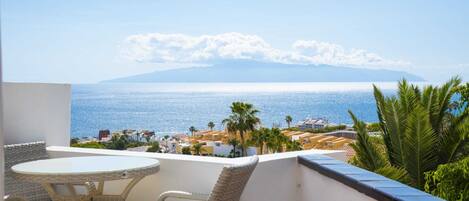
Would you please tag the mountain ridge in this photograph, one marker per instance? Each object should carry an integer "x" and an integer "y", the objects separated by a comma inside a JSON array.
[{"x": 248, "y": 71}]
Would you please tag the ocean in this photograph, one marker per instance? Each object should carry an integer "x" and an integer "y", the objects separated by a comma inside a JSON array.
[{"x": 174, "y": 107}]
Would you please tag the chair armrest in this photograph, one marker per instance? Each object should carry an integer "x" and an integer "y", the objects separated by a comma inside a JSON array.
[
  {"x": 10, "y": 198},
  {"x": 182, "y": 195}
]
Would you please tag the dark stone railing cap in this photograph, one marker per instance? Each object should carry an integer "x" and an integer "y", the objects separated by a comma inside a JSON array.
[{"x": 366, "y": 182}]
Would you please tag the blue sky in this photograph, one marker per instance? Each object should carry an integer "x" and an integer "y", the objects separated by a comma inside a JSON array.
[{"x": 87, "y": 41}]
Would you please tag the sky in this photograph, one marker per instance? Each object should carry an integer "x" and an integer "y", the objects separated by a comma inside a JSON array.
[{"x": 86, "y": 41}]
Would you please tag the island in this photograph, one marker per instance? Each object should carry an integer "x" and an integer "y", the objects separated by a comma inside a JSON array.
[{"x": 251, "y": 71}]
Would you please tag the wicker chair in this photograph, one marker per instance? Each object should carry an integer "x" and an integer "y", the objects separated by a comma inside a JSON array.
[
  {"x": 229, "y": 187},
  {"x": 19, "y": 153},
  {"x": 8, "y": 198}
]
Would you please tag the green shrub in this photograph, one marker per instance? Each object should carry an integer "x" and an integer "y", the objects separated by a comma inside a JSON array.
[
  {"x": 155, "y": 147},
  {"x": 449, "y": 181},
  {"x": 133, "y": 144},
  {"x": 94, "y": 145},
  {"x": 74, "y": 141},
  {"x": 373, "y": 127},
  {"x": 186, "y": 150},
  {"x": 118, "y": 143}
]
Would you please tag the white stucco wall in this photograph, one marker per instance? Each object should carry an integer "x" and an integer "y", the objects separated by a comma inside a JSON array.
[
  {"x": 276, "y": 178},
  {"x": 36, "y": 111},
  {"x": 317, "y": 187}
]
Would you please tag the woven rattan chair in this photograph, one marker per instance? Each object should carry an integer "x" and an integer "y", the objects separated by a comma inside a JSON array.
[
  {"x": 8, "y": 198},
  {"x": 19, "y": 153},
  {"x": 229, "y": 187}
]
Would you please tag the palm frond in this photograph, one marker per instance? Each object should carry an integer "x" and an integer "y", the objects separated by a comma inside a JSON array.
[
  {"x": 420, "y": 146},
  {"x": 406, "y": 97},
  {"x": 456, "y": 137},
  {"x": 395, "y": 173},
  {"x": 444, "y": 95},
  {"x": 396, "y": 121},
  {"x": 420, "y": 129},
  {"x": 368, "y": 156},
  {"x": 381, "y": 110}
]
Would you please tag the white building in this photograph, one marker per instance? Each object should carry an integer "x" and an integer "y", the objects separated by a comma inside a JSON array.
[{"x": 313, "y": 123}]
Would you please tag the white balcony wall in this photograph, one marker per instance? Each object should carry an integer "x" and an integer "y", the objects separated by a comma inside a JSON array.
[
  {"x": 277, "y": 176},
  {"x": 315, "y": 186},
  {"x": 36, "y": 112}
]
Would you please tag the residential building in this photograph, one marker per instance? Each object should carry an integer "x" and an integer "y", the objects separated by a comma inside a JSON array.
[
  {"x": 313, "y": 123},
  {"x": 103, "y": 134}
]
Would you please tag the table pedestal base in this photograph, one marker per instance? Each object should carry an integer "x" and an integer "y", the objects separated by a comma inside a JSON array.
[{"x": 94, "y": 193}]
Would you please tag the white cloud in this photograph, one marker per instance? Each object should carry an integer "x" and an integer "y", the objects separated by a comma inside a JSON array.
[
  {"x": 180, "y": 48},
  {"x": 329, "y": 53},
  {"x": 463, "y": 66}
]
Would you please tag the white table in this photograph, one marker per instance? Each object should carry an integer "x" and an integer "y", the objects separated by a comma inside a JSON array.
[{"x": 86, "y": 171}]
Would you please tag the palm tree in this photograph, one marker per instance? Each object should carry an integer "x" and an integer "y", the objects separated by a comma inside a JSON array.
[
  {"x": 276, "y": 140},
  {"x": 197, "y": 147},
  {"x": 192, "y": 130},
  {"x": 211, "y": 125},
  {"x": 243, "y": 119},
  {"x": 367, "y": 152},
  {"x": 370, "y": 153},
  {"x": 293, "y": 145},
  {"x": 233, "y": 142},
  {"x": 419, "y": 130},
  {"x": 288, "y": 119},
  {"x": 259, "y": 138}
]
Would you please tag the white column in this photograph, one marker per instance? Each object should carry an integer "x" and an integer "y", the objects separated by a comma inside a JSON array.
[{"x": 2, "y": 166}]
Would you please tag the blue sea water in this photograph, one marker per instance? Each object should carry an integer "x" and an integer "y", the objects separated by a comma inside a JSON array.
[{"x": 174, "y": 107}]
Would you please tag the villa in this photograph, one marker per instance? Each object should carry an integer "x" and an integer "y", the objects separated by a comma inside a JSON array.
[
  {"x": 313, "y": 123},
  {"x": 41, "y": 112}
]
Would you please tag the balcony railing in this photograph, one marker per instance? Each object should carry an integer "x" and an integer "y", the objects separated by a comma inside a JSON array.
[{"x": 295, "y": 176}]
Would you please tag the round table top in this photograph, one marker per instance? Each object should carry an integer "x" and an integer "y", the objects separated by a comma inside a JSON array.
[{"x": 88, "y": 168}]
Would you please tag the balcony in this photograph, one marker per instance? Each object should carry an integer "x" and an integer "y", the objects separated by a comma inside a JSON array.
[{"x": 42, "y": 112}]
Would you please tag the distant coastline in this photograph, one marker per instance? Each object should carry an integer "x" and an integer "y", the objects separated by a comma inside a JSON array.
[
  {"x": 174, "y": 107},
  {"x": 258, "y": 72}
]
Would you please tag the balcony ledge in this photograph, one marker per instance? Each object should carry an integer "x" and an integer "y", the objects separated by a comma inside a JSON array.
[
  {"x": 369, "y": 183},
  {"x": 337, "y": 154},
  {"x": 298, "y": 176}
]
